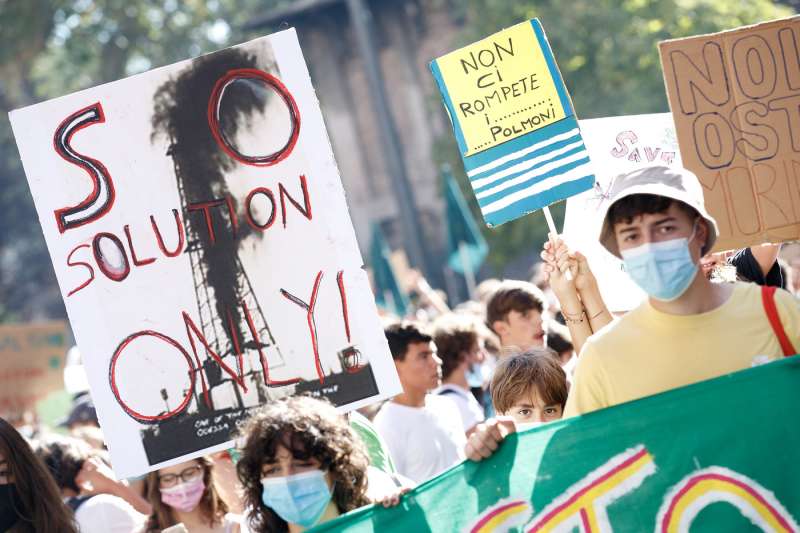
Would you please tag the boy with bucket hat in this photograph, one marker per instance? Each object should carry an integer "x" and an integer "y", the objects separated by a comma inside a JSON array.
[{"x": 689, "y": 329}]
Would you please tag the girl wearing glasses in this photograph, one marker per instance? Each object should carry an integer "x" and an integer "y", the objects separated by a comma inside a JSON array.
[
  {"x": 301, "y": 465},
  {"x": 187, "y": 494}
]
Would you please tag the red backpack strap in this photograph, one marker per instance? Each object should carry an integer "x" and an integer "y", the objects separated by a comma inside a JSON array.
[{"x": 768, "y": 297}]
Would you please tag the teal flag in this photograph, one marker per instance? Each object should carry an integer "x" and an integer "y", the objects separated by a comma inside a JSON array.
[
  {"x": 388, "y": 293},
  {"x": 716, "y": 456},
  {"x": 464, "y": 240}
]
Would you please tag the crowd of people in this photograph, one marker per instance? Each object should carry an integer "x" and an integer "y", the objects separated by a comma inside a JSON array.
[{"x": 519, "y": 356}]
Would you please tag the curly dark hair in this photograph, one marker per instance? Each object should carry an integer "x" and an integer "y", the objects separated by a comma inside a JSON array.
[
  {"x": 64, "y": 458},
  {"x": 212, "y": 506},
  {"x": 309, "y": 429}
]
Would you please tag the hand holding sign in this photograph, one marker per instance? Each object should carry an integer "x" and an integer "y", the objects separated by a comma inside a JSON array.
[
  {"x": 558, "y": 260},
  {"x": 486, "y": 438}
]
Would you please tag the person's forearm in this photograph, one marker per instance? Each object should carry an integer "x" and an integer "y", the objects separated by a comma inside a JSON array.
[
  {"x": 596, "y": 310},
  {"x": 576, "y": 319},
  {"x": 436, "y": 301},
  {"x": 132, "y": 497}
]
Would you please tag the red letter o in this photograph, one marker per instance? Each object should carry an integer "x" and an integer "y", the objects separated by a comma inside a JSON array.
[
  {"x": 149, "y": 419},
  {"x": 219, "y": 136},
  {"x": 113, "y": 273}
]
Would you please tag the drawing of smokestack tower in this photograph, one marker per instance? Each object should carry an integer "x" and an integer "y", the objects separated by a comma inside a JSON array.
[
  {"x": 229, "y": 319},
  {"x": 224, "y": 326},
  {"x": 222, "y": 288}
]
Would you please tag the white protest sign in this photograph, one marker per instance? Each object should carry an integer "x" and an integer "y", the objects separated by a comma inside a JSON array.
[
  {"x": 202, "y": 242},
  {"x": 616, "y": 145}
]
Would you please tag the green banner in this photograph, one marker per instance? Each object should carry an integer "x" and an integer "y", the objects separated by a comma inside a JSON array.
[{"x": 715, "y": 456}]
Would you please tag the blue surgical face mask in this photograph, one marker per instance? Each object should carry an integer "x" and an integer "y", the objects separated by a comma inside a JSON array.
[
  {"x": 475, "y": 375},
  {"x": 299, "y": 499},
  {"x": 664, "y": 270}
]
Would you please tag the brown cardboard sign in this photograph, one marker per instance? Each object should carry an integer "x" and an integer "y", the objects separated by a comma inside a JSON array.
[
  {"x": 735, "y": 98},
  {"x": 31, "y": 364}
]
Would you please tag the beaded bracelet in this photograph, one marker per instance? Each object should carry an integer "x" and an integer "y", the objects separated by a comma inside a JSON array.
[{"x": 568, "y": 317}]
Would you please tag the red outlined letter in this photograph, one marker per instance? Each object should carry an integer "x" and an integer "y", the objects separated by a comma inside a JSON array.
[
  {"x": 191, "y": 327},
  {"x": 136, "y": 261},
  {"x": 112, "y": 377},
  {"x": 232, "y": 215},
  {"x": 205, "y": 207},
  {"x": 343, "y": 295},
  {"x": 264, "y": 362},
  {"x": 312, "y": 326},
  {"x": 213, "y": 116},
  {"x": 181, "y": 237},
  {"x": 112, "y": 272},
  {"x": 100, "y": 200},
  {"x": 80, "y": 263},
  {"x": 305, "y": 209},
  {"x": 248, "y": 211}
]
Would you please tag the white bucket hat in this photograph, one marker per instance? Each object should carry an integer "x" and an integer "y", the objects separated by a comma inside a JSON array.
[{"x": 675, "y": 183}]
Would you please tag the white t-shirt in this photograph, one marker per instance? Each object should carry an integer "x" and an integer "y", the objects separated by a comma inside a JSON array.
[
  {"x": 423, "y": 441},
  {"x": 381, "y": 484},
  {"x": 106, "y": 513},
  {"x": 471, "y": 410},
  {"x": 230, "y": 521}
]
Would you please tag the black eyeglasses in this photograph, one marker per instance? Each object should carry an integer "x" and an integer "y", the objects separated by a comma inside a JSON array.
[{"x": 188, "y": 474}]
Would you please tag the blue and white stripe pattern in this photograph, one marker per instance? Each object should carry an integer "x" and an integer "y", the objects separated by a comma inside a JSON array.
[{"x": 530, "y": 172}]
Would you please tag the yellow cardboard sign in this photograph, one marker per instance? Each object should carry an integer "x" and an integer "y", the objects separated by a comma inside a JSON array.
[
  {"x": 31, "y": 364},
  {"x": 734, "y": 97},
  {"x": 500, "y": 88}
]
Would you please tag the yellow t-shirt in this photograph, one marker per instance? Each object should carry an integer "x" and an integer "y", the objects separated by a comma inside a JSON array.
[{"x": 647, "y": 351}]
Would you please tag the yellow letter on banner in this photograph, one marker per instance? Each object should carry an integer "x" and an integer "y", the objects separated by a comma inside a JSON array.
[
  {"x": 502, "y": 516},
  {"x": 584, "y": 504},
  {"x": 717, "y": 484}
]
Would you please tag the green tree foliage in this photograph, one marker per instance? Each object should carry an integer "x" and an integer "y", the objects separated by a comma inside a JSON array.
[{"x": 607, "y": 51}]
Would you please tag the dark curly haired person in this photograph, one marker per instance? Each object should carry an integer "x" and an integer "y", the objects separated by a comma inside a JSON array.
[{"x": 301, "y": 465}]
